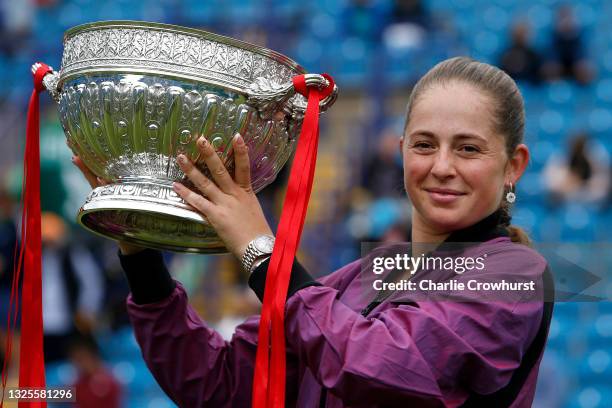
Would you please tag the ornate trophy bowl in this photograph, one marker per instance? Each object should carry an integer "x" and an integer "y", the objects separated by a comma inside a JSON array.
[{"x": 133, "y": 95}]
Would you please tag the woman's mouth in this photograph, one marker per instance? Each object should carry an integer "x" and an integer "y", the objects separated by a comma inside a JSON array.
[{"x": 444, "y": 195}]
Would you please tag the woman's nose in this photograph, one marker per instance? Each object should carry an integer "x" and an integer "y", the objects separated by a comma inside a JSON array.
[{"x": 443, "y": 166}]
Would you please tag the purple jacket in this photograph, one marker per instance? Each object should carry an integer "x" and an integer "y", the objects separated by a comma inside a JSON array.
[{"x": 420, "y": 353}]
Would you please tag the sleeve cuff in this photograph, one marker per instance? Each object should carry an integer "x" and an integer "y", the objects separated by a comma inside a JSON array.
[
  {"x": 147, "y": 276},
  {"x": 300, "y": 279}
]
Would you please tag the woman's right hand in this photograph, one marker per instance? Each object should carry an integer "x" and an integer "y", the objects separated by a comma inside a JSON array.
[{"x": 94, "y": 181}]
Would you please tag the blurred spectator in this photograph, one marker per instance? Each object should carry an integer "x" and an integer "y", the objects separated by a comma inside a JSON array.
[
  {"x": 521, "y": 61},
  {"x": 240, "y": 303},
  {"x": 410, "y": 11},
  {"x": 16, "y": 19},
  {"x": 95, "y": 386},
  {"x": 255, "y": 35},
  {"x": 409, "y": 24},
  {"x": 383, "y": 174},
  {"x": 569, "y": 59},
  {"x": 116, "y": 287},
  {"x": 72, "y": 287},
  {"x": 582, "y": 176},
  {"x": 8, "y": 241}
]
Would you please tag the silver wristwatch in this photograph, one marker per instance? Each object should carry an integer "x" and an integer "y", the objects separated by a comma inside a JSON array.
[{"x": 258, "y": 250}]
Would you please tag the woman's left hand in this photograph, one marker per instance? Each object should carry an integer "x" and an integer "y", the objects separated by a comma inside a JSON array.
[{"x": 229, "y": 204}]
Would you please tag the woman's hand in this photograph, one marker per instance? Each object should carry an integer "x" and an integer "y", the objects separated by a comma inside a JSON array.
[
  {"x": 230, "y": 205},
  {"x": 126, "y": 249}
]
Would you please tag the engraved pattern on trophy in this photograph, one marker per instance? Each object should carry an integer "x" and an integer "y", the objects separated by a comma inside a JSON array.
[
  {"x": 91, "y": 121},
  {"x": 190, "y": 124},
  {"x": 137, "y": 129},
  {"x": 123, "y": 110},
  {"x": 179, "y": 53},
  {"x": 138, "y": 191},
  {"x": 155, "y": 111},
  {"x": 70, "y": 116}
]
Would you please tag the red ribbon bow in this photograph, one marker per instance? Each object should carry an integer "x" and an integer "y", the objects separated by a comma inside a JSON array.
[
  {"x": 270, "y": 365},
  {"x": 31, "y": 357}
]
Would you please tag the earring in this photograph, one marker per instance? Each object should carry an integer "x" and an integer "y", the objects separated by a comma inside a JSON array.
[{"x": 510, "y": 196}]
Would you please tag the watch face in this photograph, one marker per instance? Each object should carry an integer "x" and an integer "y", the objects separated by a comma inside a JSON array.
[{"x": 264, "y": 244}]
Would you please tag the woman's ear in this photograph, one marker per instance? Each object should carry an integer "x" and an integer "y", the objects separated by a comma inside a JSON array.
[{"x": 518, "y": 163}]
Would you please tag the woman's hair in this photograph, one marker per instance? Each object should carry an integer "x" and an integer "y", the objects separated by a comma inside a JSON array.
[{"x": 508, "y": 109}]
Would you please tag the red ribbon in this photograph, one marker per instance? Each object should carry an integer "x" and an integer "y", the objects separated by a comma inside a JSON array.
[
  {"x": 270, "y": 365},
  {"x": 31, "y": 358}
]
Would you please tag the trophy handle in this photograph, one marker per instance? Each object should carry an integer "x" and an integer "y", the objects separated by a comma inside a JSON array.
[
  {"x": 50, "y": 82},
  {"x": 269, "y": 97}
]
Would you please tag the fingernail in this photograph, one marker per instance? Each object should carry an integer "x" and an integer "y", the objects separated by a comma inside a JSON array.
[
  {"x": 202, "y": 141},
  {"x": 177, "y": 186},
  {"x": 239, "y": 139},
  {"x": 182, "y": 159}
]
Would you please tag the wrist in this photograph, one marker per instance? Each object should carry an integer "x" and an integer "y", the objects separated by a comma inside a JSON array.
[
  {"x": 242, "y": 246},
  {"x": 258, "y": 262},
  {"x": 259, "y": 248}
]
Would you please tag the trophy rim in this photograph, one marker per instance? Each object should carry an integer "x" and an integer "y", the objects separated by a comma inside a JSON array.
[
  {"x": 266, "y": 52},
  {"x": 154, "y": 209}
]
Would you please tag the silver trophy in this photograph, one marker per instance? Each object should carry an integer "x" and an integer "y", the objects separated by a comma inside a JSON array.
[{"x": 134, "y": 95}]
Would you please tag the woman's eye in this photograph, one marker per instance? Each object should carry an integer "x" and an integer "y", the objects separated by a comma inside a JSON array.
[
  {"x": 422, "y": 145},
  {"x": 469, "y": 149}
]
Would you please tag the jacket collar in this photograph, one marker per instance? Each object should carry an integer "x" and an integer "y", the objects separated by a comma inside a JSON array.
[{"x": 484, "y": 230}]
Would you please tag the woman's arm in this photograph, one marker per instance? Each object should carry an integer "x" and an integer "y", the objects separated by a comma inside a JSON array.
[{"x": 191, "y": 362}]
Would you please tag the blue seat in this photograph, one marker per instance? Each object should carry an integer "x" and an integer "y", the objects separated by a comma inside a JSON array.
[
  {"x": 309, "y": 53},
  {"x": 549, "y": 228},
  {"x": 585, "y": 13},
  {"x": 578, "y": 224},
  {"x": 529, "y": 189},
  {"x": 496, "y": 18},
  {"x": 590, "y": 396},
  {"x": 120, "y": 345},
  {"x": 354, "y": 62},
  {"x": 560, "y": 93},
  {"x": 197, "y": 12},
  {"x": 600, "y": 122},
  {"x": 603, "y": 90},
  {"x": 525, "y": 215},
  {"x": 602, "y": 327},
  {"x": 552, "y": 122},
  {"x": 541, "y": 151},
  {"x": 486, "y": 44}
]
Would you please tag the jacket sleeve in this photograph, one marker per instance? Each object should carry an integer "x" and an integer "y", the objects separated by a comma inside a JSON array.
[
  {"x": 432, "y": 353},
  {"x": 191, "y": 362}
]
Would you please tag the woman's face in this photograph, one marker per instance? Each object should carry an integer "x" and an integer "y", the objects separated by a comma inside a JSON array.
[{"x": 455, "y": 164}]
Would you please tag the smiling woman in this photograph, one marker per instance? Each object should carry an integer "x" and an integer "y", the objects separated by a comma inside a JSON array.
[
  {"x": 462, "y": 146},
  {"x": 463, "y": 153}
]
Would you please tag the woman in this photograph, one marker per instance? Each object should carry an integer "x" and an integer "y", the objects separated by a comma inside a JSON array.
[
  {"x": 462, "y": 154},
  {"x": 580, "y": 175}
]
